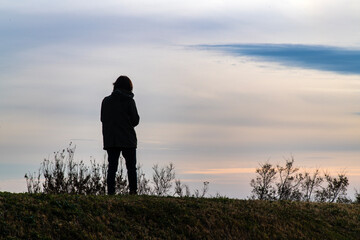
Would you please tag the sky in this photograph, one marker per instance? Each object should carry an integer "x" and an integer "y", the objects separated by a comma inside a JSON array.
[{"x": 221, "y": 86}]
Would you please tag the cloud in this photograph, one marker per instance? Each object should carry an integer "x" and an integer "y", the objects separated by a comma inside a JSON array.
[{"x": 323, "y": 58}]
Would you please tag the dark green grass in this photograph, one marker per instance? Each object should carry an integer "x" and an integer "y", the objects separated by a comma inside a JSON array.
[{"x": 39, "y": 216}]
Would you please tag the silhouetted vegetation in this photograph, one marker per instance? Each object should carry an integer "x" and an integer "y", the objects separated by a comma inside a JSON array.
[
  {"x": 357, "y": 197},
  {"x": 288, "y": 183},
  {"x": 63, "y": 174}
]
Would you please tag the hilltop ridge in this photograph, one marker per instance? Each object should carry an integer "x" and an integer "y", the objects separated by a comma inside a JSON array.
[{"x": 41, "y": 216}]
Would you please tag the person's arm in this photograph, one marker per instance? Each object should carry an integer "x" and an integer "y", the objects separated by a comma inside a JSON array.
[
  {"x": 134, "y": 116},
  {"x": 102, "y": 111}
]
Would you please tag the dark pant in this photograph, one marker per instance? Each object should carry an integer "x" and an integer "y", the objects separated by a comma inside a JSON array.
[{"x": 130, "y": 159}]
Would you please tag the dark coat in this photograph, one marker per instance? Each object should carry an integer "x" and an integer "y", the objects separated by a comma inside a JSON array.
[{"x": 119, "y": 116}]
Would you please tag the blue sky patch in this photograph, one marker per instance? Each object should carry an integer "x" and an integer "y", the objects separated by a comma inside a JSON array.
[{"x": 324, "y": 58}]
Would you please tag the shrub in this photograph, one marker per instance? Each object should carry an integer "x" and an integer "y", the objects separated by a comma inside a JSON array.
[
  {"x": 63, "y": 175},
  {"x": 288, "y": 187},
  {"x": 310, "y": 184},
  {"x": 334, "y": 190},
  {"x": 162, "y": 179},
  {"x": 357, "y": 197},
  {"x": 287, "y": 183},
  {"x": 262, "y": 185}
]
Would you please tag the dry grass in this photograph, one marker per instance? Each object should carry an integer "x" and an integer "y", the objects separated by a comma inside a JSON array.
[{"x": 41, "y": 216}]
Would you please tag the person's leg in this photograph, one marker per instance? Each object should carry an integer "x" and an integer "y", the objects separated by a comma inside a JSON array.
[
  {"x": 130, "y": 159},
  {"x": 113, "y": 158}
]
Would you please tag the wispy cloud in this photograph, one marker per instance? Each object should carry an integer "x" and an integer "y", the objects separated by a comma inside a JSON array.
[{"x": 324, "y": 58}]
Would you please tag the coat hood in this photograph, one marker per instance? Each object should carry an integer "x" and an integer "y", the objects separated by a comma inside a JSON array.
[{"x": 122, "y": 93}]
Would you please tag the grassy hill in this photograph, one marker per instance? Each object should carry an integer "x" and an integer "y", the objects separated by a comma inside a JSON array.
[{"x": 38, "y": 216}]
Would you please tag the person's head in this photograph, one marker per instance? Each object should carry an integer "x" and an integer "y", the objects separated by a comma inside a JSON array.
[{"x": 123, "y": 82}]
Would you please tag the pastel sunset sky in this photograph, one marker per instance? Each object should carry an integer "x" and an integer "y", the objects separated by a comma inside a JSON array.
[{"x": 220, "y": 85}]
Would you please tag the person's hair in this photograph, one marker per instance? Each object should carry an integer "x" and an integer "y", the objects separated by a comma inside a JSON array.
[{"x": 123, "y": 82}]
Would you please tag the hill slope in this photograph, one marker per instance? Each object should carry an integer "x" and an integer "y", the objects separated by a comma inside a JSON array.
[{"x": 25, "y": 216}]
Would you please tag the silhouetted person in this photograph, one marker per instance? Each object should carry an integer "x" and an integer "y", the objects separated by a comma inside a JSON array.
[{"x": 119, "y": 116}]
